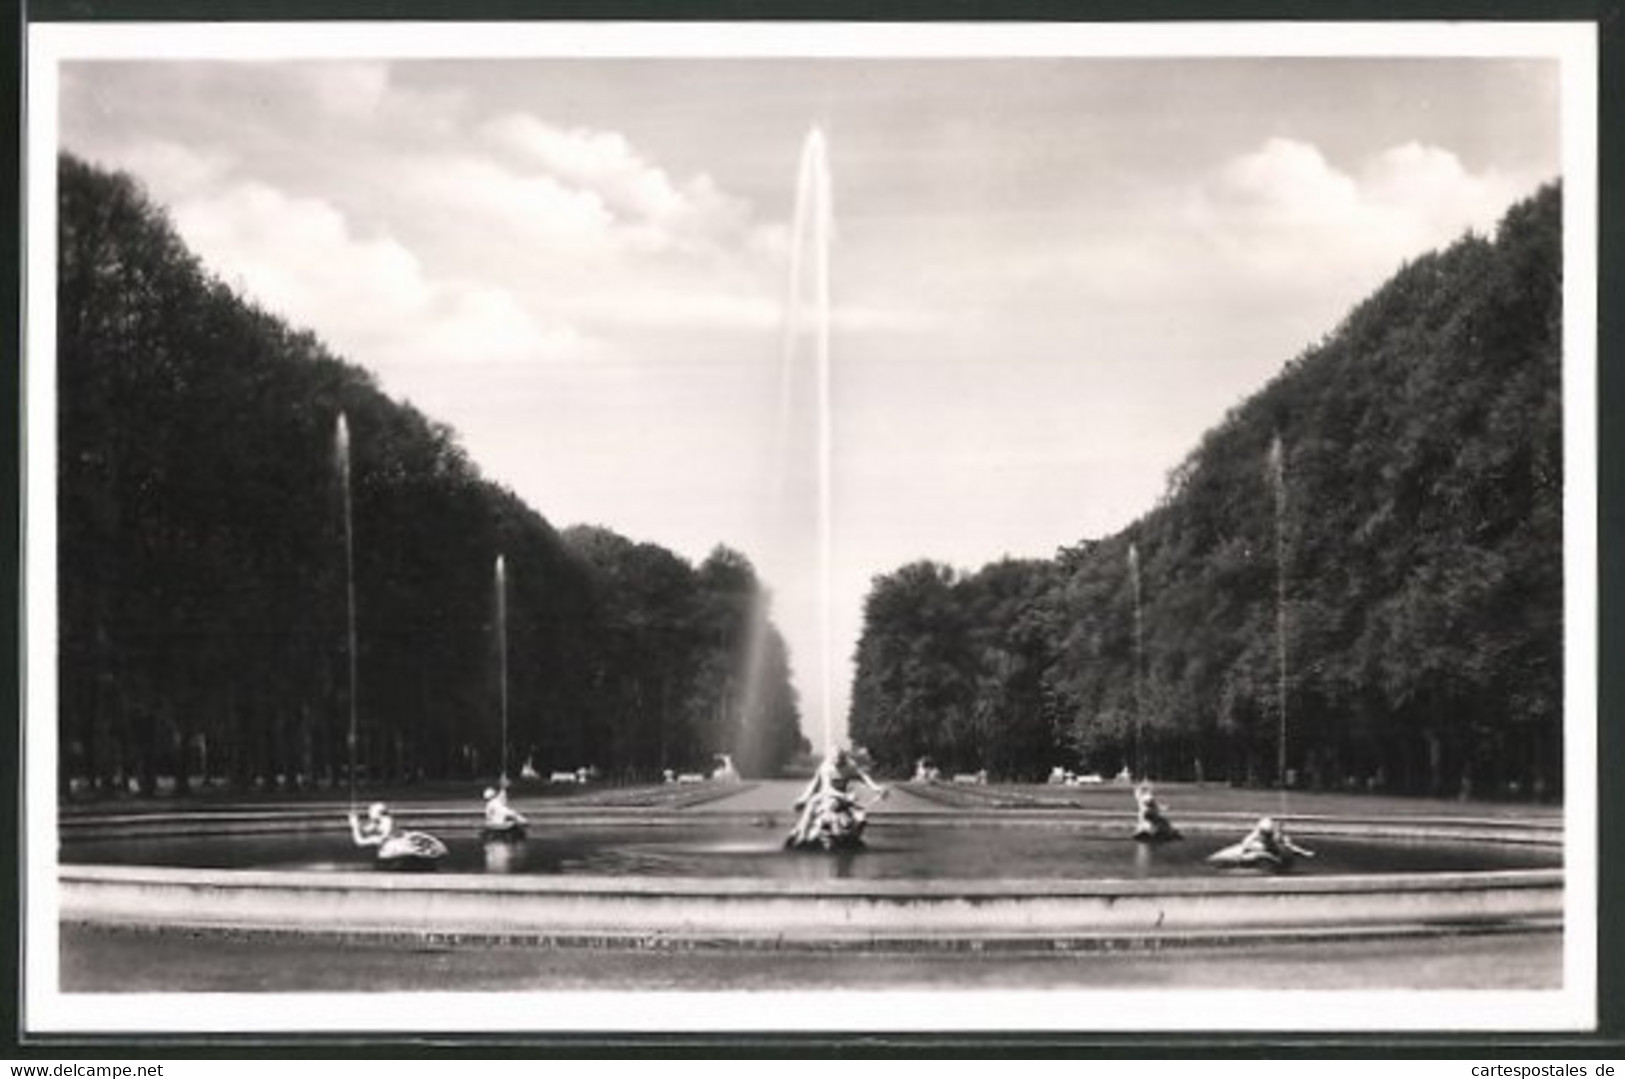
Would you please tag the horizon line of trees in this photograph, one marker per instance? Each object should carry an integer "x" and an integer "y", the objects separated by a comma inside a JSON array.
[
  {"x": 203, "y": 617},
  {"x": 1373, "y": 540}
]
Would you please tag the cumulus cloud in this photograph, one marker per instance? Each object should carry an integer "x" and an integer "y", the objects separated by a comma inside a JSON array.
[
  {"x": 298, "y": 254},
  {"x": 172, "y": 171},
  {"x": 1285, "y": 183},
  {"x": 492, "y": 205},
  {"x": 586, "y": 236},
  {"x": 601, "y": 161},
  {"x": 370, "y": 297},
  {"x": 592, "y": 232},
  {"x": 649, "y": 208},
  {"x": 1426, "y": 183},
  {"x": 1284, "y": 211}
]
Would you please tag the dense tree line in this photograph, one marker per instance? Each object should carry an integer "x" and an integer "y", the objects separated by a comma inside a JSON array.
[
  {"x": 1417, "y": 543},
  {"x": 201, "y": 553}
]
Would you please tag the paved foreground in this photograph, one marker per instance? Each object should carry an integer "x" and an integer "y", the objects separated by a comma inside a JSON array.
[{"x": 114, "y": 960}]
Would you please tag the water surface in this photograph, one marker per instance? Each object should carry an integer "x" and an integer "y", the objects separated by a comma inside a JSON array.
[{"x": 737, "y": 849}]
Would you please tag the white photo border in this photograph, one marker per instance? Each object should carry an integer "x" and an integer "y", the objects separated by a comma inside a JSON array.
[{"x": 47, "y": 1010}]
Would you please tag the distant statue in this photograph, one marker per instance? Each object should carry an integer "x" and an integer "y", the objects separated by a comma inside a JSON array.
[
  {"x": 1151, "y": 823},
  {"x": 1265, "y": 847},
  {"x": 502, "y": 821},
  {"x": 726, "y": 772},
  {"x": 396, "y": 850},
  {"x": 925, "y": 771}
]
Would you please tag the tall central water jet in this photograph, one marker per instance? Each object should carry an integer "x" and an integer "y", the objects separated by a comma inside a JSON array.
[{"x": 808, "y": 319}]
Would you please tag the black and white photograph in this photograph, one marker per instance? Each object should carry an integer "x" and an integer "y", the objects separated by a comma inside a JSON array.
[{"x": 1062, "y": 527}]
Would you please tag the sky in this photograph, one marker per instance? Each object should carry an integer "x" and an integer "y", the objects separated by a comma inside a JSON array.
[{"x": 1049, "y": 276}]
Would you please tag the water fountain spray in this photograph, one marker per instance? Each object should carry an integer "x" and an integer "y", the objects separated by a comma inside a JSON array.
[
  {"x": 1277, "y": 477},
  {"x": 1139, "y": 657},
  {"x": 809, "y": 300},
  {"x": 341, "y": 452},
  {"x": 502, "y": 662}
]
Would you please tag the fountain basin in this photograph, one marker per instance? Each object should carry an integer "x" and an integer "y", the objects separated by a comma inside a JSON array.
[{"x": 949, "y": 881}]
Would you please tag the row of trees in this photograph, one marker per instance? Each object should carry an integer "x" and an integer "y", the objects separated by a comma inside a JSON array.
[
  {"x": 1408, "y": 579},
  {"x": 202, "y": 582}
]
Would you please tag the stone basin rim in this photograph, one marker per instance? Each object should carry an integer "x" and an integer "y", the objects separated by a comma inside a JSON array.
[{"x": 885, "y": 888}]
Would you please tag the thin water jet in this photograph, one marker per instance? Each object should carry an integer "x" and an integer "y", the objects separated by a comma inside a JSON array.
[
  {"x": 752, "y": 694},
  {"x": 1139, "y": 658},
  {"x": 502, "y": 664},
  {"x": 341, "y": 454},
  {"x": 1277, "y": 477}
]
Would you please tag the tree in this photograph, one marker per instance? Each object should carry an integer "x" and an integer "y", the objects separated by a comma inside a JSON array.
[
  {"x": 1419, "y": 571},
  {"x": 204, "y": 607}
]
